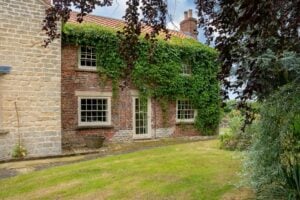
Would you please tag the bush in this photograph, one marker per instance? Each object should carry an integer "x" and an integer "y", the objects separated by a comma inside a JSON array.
[
  {"x": 229, "y": 106},
  {"x": 234, "y": 138},
  {"x": 19, "y": 151},
  {"x": 227, "y": 141},
  {"x": 273, "y": 161}
]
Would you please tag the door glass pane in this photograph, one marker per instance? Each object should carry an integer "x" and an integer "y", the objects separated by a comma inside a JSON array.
[{"x": 141, "y": 121}]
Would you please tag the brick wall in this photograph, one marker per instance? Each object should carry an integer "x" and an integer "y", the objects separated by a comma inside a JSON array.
[
  {"x": 189, "y": 24},
  {"x": 34, "y": 82},
  {"x": 74, "y": 79}
]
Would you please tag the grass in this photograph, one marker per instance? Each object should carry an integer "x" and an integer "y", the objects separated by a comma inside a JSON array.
[{"x": 196, "y": 170}]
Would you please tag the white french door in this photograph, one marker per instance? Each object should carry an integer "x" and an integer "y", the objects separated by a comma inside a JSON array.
[{"x": 141, "y": 118}]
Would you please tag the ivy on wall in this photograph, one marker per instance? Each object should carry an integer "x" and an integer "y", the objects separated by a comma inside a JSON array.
[{"x": 160, "y": 76}]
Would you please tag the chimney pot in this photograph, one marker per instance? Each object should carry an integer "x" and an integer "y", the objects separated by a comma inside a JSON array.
[
  {"x": 190, "y": 15},
  {"x": 185, "y": 15}
]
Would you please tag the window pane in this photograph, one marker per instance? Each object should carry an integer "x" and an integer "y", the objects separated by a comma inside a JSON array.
[
  {"x": 89, "y": 107},
  {"x": 185, "y": 109},
  {"x": 88, "y": 57},
  {"x": 94, "y": 110},
  {"x": 140, "y": 117}
]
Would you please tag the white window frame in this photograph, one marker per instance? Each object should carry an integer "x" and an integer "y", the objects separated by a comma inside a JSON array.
[
  {"x": 90, "y": 68},
  {"x": 183, "y": 73},
  {"x": 94, "y": 95},
  {"x": 191, "y": 120}
]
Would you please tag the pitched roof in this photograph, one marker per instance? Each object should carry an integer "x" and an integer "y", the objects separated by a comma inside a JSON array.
[{"x": 114, "y": 23}]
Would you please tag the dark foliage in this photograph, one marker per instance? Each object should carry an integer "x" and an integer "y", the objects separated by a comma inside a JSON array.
[
  {"x": 242, "y": 31},
  {"x": 129, "y": 38},
  {"x": 61, "y": 11}
]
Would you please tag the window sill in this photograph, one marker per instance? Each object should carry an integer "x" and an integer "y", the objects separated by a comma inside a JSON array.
[
  {"x": 3, "y": 132},
  {"x": 85, "y": 70},
  {"x": 142, "y": 138},
  {"x": 184, "y": 122},
  {"x": 82, "y": 127}
]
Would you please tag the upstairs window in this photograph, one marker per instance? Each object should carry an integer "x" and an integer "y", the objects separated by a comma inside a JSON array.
[
  {"x": 87, "y": 57},
  {"x": 186, "y": 70},
  {"x": 94, "y": 111},
  {"x": 185, "y": 111}
]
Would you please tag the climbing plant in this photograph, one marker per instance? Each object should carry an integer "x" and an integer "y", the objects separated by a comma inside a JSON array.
[{"x": 159, "y": 75}]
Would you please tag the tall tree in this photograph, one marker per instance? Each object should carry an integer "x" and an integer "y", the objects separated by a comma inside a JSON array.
[
  {"x": 244, "y": 32},
  {"x": 259, "y": 43}
]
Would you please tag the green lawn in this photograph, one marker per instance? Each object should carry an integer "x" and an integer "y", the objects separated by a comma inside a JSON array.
[{"x": 196, "y": 170}]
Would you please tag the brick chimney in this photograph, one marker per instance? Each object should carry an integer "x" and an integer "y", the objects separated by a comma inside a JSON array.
[{"x": 189, "y": 24}]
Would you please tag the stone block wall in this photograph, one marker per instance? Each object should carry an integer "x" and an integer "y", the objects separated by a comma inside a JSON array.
[
  {"x": 76, "y": 80},
  {"x": 34, "y": 83}
]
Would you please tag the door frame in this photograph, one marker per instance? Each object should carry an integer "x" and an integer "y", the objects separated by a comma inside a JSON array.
[{"x": 149, "y": 115}]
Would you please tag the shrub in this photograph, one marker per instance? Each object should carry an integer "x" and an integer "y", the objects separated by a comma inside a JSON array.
[
  {"x": 19, "y": 151},
  {"x": 272, "y": 163},
  {"x": 227, "y": 141},
  {"x": 229, "y": 106},
  {"x": 234, "y": 138}
]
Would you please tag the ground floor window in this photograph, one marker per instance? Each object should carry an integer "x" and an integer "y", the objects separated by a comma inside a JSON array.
[
  {"x": 94, "y": 111},
  {"x": 185, "y": 111}
]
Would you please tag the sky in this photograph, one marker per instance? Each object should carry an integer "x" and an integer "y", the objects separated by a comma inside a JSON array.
[{"x": 176, "y": 9}]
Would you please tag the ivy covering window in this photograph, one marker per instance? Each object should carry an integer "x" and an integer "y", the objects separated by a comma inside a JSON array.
[
  {"x": 186, "y": 70},
  {"x": 94, "y": 111},
  {"x": 87, "y": 57},
  {"x": 185, "y": 111}
]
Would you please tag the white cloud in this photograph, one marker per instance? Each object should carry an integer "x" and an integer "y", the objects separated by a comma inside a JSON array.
[
  {"x": 176, "y": 9},
  {"x": 117, "y": 10}
]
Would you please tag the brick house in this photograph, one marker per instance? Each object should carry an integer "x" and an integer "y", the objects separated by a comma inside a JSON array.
[
  {"x": 87, "y": 108},
  {"x": 51, "y": 98}
]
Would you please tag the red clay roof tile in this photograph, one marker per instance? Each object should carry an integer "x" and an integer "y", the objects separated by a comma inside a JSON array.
[{"x": 114, "y": 23}]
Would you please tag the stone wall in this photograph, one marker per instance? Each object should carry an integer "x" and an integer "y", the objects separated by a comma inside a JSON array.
[
  {"x": 33, "y": 84},
  {"x": 75, "y": 80}
]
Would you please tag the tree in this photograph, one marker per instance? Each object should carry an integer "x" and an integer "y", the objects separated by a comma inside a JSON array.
[
  {"x": 244, "y": 32},
  {"x": 259, "y": 43}
]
